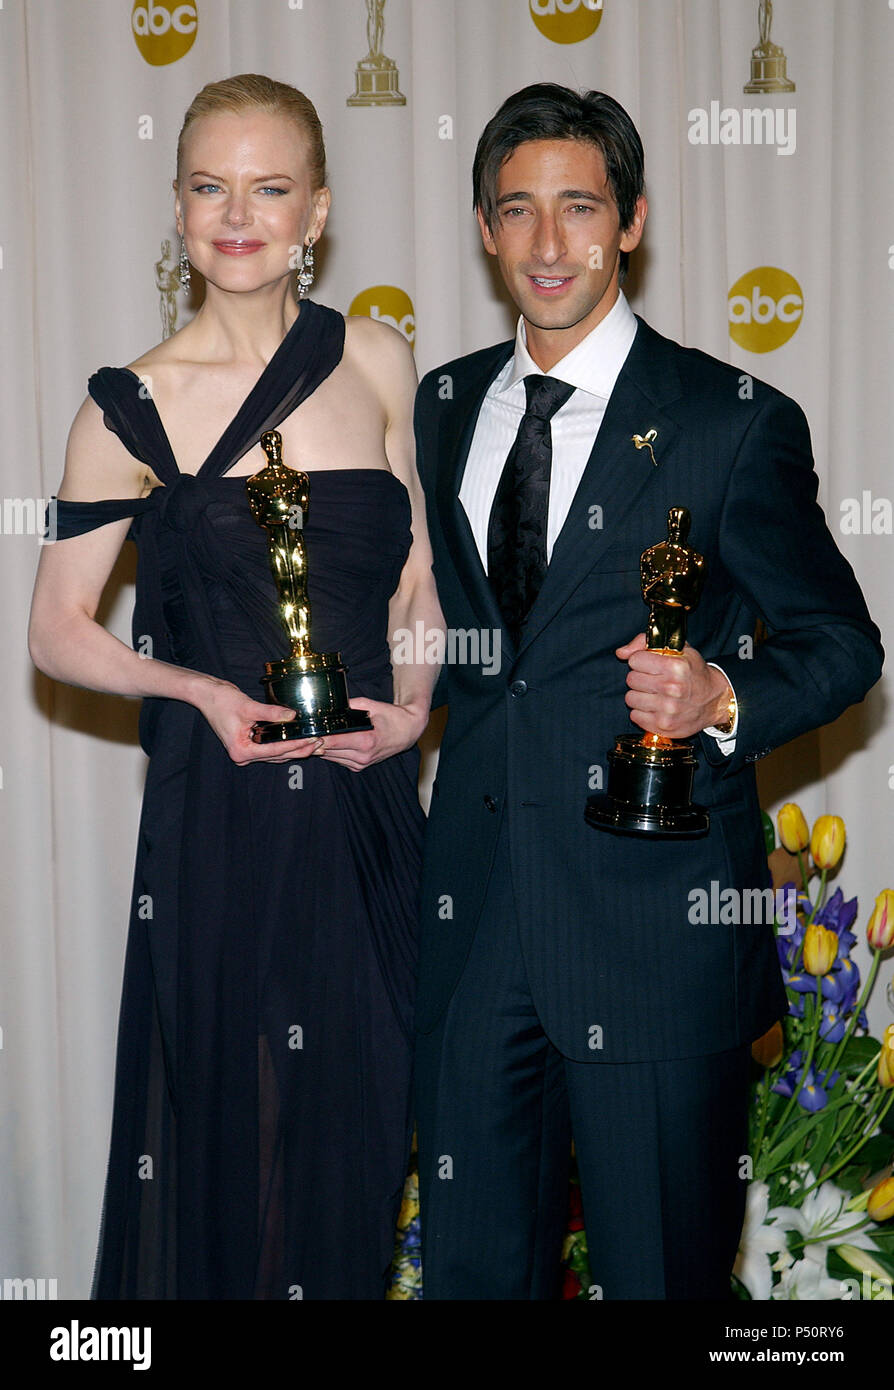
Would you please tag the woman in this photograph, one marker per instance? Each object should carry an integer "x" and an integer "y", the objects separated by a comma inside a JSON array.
[{"x": 261, "y": 1115}]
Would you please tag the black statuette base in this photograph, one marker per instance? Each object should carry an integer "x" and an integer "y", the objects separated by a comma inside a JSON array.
[
  {"x": 649, "y": 791},
  {"x": 319, "y": 699}
]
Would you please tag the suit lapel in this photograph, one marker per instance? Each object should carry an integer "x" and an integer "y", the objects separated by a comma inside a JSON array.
[{"x": 457, "y": 429}]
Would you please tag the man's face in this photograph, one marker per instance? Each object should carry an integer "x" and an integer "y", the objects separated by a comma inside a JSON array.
[{"x": 557, "y": 235}]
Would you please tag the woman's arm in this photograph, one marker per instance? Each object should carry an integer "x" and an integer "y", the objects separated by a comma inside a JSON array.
[
  {"x": 415, "y": 600},
  {"x": 66, "y": 642}
]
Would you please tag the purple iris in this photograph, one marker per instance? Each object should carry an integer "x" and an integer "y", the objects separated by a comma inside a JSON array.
[
  {"x": 793, "y": 922},
  {"x": 838, "y": 989},
  {"x": 802, "y": 984},
  {"x": 842, "y": 984},
  {"x": 838, "y": 916},
  {"x": 813, "y": 1094},
  {"x": 834, "y": 1023},
  {"x": 789, "y": 1078}
]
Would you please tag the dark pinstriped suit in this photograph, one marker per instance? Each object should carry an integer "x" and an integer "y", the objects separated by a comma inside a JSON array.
[{"x": 551, "y": 952}]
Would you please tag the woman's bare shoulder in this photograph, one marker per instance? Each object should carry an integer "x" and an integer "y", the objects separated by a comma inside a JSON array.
[
  {"x": 372, "y": 337},
  {"x": 97, "y": 465},
  {"x": 385, "y": 359}
]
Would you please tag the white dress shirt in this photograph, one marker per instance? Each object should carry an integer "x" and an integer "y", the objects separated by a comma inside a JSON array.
[{"x": 592, "y": 368}]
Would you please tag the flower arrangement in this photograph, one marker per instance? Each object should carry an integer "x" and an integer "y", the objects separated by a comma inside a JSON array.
[{"x": 821, "y": 1124}]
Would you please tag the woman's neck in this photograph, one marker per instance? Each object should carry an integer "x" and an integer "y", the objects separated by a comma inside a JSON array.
[{"x": 241, "y": 327}]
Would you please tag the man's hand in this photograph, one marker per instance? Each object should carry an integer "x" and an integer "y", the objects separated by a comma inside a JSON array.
[
  {"x": 397, "y": 727},
  {"x": 676, "y": 696}
]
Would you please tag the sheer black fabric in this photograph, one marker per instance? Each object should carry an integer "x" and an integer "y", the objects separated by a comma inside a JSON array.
[{"x": 261, "y": 1121}]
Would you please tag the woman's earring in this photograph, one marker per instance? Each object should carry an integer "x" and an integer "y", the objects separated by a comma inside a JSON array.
[
  {"x": 306, "y": 273},
  {"x": 184, "y": 268}
]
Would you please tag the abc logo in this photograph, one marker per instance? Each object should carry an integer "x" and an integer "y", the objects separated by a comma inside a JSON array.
[
  {"x": 164, "y": 31},
  {"x": 388, "y": 305},
  {"x": 566, "y": 21},
  {"x": 765, "y": 309}
]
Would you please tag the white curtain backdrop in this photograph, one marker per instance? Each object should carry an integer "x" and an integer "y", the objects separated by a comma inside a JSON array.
[{"x": 91, "y": 110}]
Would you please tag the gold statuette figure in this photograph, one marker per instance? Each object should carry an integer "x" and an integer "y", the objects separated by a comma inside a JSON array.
[
  {"x": 312, "y": 683},
  {"x": 650, "y": 778}
]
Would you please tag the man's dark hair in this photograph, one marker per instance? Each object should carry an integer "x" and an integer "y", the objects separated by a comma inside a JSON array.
[{"x": 546, "y": 111}]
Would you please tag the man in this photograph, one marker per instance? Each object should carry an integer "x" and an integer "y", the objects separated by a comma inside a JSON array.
[{"x": 564, "y": 987}]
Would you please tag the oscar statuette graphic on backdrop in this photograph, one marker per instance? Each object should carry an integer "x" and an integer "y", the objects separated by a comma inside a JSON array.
[
  {"x": 376, "y": 76},
  {"x": 768, "y": 61},
  {"x": 167, "y": 282}
]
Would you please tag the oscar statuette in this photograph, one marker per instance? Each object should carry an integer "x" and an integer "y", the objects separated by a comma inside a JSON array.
[
  {"x": 650, "y": 778},
  {"x": 312, "y": 683}
]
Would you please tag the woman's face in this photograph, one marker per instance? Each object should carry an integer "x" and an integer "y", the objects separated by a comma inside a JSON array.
[{"x": 244, "y": 203}]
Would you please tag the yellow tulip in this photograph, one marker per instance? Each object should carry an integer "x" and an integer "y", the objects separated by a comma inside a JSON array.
[
  {"x": 886, "y": 1059},
  {"x": 793, "y": 832},
  {"x": 881, "y": 1200},
  {"x": 820, "y": 949},
  {"x": 827, "y": 841},
  {"x": 880, "y": 931},
  {"x": 768, "y": 1049}
]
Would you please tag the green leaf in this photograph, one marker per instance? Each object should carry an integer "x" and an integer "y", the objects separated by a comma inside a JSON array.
[
  {"x": 821, "y": 1140},
  {"x": 769, "y": 832},
  {"x": 851, "y": 1178},
  {"x": 884, "y": 1238},
  {"x": 786, "y": 1143},
  {"x": 857, "y": 1053},
  {"x": 875, "y": 1154}
]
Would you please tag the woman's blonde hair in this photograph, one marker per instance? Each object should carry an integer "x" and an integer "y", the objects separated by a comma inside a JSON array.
[{"x": 252, "y": 92}]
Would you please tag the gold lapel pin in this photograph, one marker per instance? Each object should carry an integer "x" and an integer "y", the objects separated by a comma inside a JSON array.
[{"x": 644, "y": 441}]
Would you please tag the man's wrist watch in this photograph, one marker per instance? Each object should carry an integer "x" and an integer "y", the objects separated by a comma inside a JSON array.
[{"x": 731, "y": 707}]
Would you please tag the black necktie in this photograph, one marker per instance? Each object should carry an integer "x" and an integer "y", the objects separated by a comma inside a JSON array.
[{"x": 516, "y": 531}]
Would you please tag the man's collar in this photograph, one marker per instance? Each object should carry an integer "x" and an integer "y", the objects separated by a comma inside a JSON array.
[{"x": 593, "y": 365}]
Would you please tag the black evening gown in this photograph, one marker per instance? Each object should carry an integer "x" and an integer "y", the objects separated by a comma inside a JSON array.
[{"x": 261, "y": 1122}]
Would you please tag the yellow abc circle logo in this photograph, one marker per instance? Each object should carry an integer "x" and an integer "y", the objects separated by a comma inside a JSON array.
[
  {"x": 389, "y": 305},
  {"x": 566, "y": 21},
  {"x": 164, "y": 29},
  {"x": 765, "y": 309}
]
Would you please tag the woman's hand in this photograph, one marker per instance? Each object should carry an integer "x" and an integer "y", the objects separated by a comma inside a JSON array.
[
  {"x": 397, "y": 727},
  {"x": 232, "y": 714}
]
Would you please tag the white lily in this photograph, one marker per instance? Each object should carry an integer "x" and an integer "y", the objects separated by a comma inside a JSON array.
[
  {"x": 822, "y": 1220},
  {"x": 806, "y": 1280},
  {"x": 758, "y": 1241}
]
